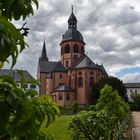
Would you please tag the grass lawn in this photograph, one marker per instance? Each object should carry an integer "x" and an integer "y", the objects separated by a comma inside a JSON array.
[{"x": 59, "y": 128}]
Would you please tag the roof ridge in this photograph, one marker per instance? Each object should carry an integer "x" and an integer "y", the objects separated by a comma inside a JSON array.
[
  {"x": 86, "y": 62},
  {"x": 79, "y": 60}
]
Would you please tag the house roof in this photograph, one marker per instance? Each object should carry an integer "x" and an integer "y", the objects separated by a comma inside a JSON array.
[
  {"x": 46, "y": 66},
  {"x": 85, "y": 62},
  {"x": 102, "y": 69},
  {"x": 132, "y": 85},
  {"x": 63, "y": 88},
  {"x": 15, "y": 75},
  {"x": 72, "y": 34}
]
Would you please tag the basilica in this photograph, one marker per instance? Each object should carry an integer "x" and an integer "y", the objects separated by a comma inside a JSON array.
[{"x": 71, "y": 78}]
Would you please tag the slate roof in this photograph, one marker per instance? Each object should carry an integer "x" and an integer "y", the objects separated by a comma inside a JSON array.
[
  {"x": 15, "y": 75},
  {"x": 85, "y": 62},
  {"x": 132, "y": 85},
  {"x": 72, "y": 34},
  {"x": 102, "y": 69},
  {"x": 72, "y": 17},
  {"x": 46, "y": 66},
  {"x": 63, "y": 88},
  {"x": 44, "y": 53}
]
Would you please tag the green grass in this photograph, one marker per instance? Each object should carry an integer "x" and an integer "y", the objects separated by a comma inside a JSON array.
[{"x": 59, "y": 128}]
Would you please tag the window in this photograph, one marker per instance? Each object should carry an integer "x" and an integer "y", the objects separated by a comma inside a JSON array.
[
  {"x": 135, "y": 91},
  {"x": 61, "y": 84},
  {"x": 33, "y": 86},
  {"x": 60, "y": 76},
  {"x": 80, "y": 82},
  {"x": 67, "y": 49},
  {"x": 60, "y": 96},
  {"x": 91, "y": 73},
  {"x": 67, "y": 63},
  {"x": 18, "y": 84},
  {"x": 80, "y": 73},
  {"x": 82, "y": 50},
  {"x": 131, "y": 91},
  {"x": 25, "y": 86},
  {"x": 91, "y": 81},
  {"x": 75, "y": 48},
  {"x": 67, "y": 96}
]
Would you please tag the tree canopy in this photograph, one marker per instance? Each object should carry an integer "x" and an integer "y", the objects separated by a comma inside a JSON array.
[
  {"x": 107, "y": 120},
  {"x": 114, "y": 82},
  {"x": 136, "y": 99},
  {"x": 11, "y": 39},
  {"x": 21, "y": 113}
]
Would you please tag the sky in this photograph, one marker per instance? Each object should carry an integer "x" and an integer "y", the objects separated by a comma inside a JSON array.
[{"x": 110, "y": 28}]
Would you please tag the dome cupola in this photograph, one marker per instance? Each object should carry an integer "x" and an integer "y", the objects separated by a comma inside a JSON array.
[
  {"x": 72, "y": 21},
  {"x": 72, "y": 34}
]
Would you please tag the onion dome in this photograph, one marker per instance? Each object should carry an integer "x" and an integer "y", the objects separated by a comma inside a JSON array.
[{"x": 72, "y": 33}]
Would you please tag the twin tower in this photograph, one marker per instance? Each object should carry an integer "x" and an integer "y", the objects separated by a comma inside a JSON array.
[{"x": 71, "y": 78}]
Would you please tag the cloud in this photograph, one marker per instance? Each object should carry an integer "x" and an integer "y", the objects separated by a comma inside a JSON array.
[
  {"x": 131, "y": 77},
  {"x": 111, "y": 31}
]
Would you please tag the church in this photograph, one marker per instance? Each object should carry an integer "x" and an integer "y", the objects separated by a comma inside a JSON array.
[{"x": 71, "y": 78}]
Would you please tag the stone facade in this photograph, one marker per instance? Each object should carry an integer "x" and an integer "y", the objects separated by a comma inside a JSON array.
[{"x": 71, "y": 78}]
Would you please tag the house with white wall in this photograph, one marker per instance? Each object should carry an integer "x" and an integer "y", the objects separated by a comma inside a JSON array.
[
  {"x": 17, "y": 77},
  {"x": 132, "y": 88}
]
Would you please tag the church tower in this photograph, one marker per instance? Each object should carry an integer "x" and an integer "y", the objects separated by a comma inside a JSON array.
[
  {"x": 43, "y": 60},
  {"x": 44, "y": 53},
  {"x": 72, "y": 44}
]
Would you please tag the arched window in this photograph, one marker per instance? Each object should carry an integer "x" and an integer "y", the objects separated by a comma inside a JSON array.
[
  {"x": 80, "y": 82},
  {"x": 67, "y": 63},
  {"x": 91, "y": 81},
  {"x": 80, "y": 73},
  {"x": 67, "y": 49},
  {"x": 91, "y": 73},
  {"x": 60, "y": 96},
  {"x": 82, "y": 50},
  {"x": 60, "y": 76},
  {"x": 75, "y": 48},
  {"x": 67, "y": 96}
]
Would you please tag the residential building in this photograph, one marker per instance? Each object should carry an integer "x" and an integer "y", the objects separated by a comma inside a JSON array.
[
  {"x": 132, "y": 88},
  {"x": 26, "y": 75}
]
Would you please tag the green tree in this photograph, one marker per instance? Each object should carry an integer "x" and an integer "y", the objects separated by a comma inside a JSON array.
[
  {"x": 136, "y": 99},
  {"x": 114, "y": 82},
  {"x": 20, "y": 115},
  {"x": 107, "y": 120},
  {"x": 116, "y": 108},
  {"x": 75, "y": 107},
  {"x": 12, "y": 39}
]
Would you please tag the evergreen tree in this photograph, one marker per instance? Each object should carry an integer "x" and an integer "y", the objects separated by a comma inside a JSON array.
[{"x": 114, "y": 82}]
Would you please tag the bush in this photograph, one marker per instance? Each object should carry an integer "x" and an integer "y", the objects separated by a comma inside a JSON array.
[
  {"x": 108, "y": 119},
  {"x": 75, "y": 107}
]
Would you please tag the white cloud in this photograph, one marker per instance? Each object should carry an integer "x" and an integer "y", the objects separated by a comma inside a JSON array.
[{"x": 131, "y": 77}]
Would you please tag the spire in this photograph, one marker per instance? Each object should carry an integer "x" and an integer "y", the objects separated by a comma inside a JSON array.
[
  {"x": 72, "y": 21},
  {"x": 44, "y": 54},
  {"x": 71, "y": 9}
]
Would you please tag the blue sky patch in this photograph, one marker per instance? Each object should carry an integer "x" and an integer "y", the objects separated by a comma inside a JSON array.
[{"x": 127, "y": 70}]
